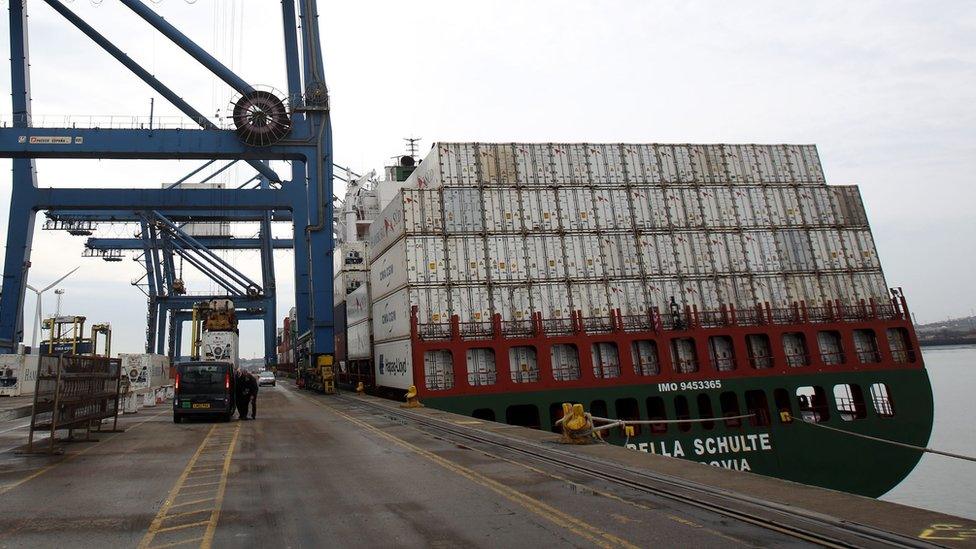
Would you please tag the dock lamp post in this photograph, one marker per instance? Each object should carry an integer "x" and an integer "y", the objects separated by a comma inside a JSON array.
[{"x": 37, "y": 311}]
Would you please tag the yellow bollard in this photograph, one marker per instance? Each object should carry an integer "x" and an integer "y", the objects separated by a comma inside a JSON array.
[
  {"x": 785, "y": 417},
  {"x": 412, "y": 400},
  {"x": 629, "y": 430},
  {"x": 576, "y": 425},
  {"x": 360, "y": 389}
]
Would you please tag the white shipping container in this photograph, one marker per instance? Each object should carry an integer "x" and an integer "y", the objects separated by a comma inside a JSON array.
[
  {"x": 413, "y": 260},
  {"x": 871, "y": 285},
  {"x": 795, "y": 250},
  {"x": 540, "y": 210},
  {"x": 657, "y": 254},
  {"x": 569, "y": 165},
  {"x": 412, "y": 212},
  {"x": 583, "y": 258},
  {"x": 545, "y": 257},
  {"x": 466, "y": 262},
  {"x": 650, "y": 208},
  {"x": 391, "y": 314},
  {"x": 511, "y": 303},
  {"x": 533, "y": 164},
  {"x": 506, "y": 258},
  {"x": 590, "y": 298},
  {"x": 497, "y": 163},
  {"x": 630, "y": 296},
  {"x": 861, "y": 251},
  {"x": 576, "y": 208},
  {"x": 463, "y": 211},
  {"x": 470, "y": 303},
  {"x": 393, "y": 364},
  {"x": 828, "y": 250},
  {"x": 551, "y": 300},
  {"x": 761, "y": 253},
  {"x": 621, "y": 255},
  {"x": 606, "y": 164},
  {"x": 358, "y": 305},
  {"x": 771, "y": 289},
  {"x": 661, "y": 291},
  {"x": 692, "y": 251},
  {"x": 503, "y": 211},
  {"x": 346, "y": 282},
  {"x": 847, "y": 206},
  {"x": 350, "y": 256},
  {"x": 358, "y": 343}
]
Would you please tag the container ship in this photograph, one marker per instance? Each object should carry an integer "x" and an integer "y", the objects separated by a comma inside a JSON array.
[{"x": 724, "y": 284}]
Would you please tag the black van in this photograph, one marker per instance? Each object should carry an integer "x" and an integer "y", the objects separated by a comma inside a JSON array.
[{"x": 204, "y": 389}]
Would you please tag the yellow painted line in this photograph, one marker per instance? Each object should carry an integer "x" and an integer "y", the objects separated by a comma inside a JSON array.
[
  {"x": 212, "y": 527},
  {"x": 156, "y": 527},
  {"x": 204, "y": 500},
  {"x": 579, "y": 527},
  {"x": 8, "y": 487},
  {"x": 199, "y": 485},
  {"x": 187, "y": 513},
  {"x": 176, "y": 543},
  {"x": 182, "y": 526}
]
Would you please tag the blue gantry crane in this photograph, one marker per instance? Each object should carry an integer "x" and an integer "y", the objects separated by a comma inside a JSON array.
[{"x": 296, "y": 128}]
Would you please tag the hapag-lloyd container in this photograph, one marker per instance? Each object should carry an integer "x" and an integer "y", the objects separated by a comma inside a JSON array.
[
  {"x": 391, "y": 314},
  {"x": 412, "y": 260},
  {"x": 392, "y": 364}
]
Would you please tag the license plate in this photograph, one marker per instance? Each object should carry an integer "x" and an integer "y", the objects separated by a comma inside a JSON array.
[{"x": 198, "y": 405}]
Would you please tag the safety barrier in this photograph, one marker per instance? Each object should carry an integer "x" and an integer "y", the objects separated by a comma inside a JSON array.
[{"x": 74, "y": 392}]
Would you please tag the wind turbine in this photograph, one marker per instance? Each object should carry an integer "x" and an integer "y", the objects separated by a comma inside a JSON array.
[{"x": 37, "y": 311}]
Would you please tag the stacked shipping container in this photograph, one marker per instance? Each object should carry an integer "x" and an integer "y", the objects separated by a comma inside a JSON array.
[{"x": 517, "y": 229}]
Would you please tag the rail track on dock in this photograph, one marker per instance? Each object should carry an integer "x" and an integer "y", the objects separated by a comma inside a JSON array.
[{"x": 800, "y": 524}]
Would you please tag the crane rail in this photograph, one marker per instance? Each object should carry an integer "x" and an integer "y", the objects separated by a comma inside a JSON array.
[{"x": 801, "y": 524}]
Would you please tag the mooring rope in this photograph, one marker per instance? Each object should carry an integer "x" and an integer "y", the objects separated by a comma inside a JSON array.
[{"x": 886, "y": 441}]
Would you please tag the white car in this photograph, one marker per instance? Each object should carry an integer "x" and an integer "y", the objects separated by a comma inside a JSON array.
[{"x": 266, "y": 378}]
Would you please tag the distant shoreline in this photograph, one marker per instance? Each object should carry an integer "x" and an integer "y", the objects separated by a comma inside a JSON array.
[{"x": 948, "y": 341}]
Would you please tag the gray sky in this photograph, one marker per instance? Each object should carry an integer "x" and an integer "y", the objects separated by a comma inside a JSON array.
[{"x": 883, "y": 88}]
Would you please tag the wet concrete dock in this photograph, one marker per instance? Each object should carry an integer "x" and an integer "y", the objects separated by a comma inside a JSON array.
[{"x": 317, "y": 471}]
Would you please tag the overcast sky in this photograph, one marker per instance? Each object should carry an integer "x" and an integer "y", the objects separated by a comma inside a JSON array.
[{"x": 884, "y": 88}]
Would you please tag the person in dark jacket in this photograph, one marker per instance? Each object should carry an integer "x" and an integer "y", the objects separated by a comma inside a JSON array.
[{"x": 246, "y": 386}]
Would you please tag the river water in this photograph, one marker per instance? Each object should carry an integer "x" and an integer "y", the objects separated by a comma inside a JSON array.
[{"x": 941, "y": 483}]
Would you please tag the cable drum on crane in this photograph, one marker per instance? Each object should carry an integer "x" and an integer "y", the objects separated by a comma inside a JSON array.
[{"x": 261, "y": 118}]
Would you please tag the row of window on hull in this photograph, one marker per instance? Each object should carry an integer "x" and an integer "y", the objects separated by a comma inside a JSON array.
[
  {"x": 524, "y": 366},
  {"x": 810, "y": 401}
]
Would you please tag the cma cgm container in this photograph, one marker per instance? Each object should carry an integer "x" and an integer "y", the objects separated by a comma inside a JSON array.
[{"x": 653, "y": 282}]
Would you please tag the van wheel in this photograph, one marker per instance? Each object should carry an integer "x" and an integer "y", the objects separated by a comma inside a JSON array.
[
  {"x": 177, "y": 418},
  {"x": 228, "y": 416}
]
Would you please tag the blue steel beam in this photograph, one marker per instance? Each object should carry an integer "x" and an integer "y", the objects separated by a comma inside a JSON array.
[
  {"x": 20, "y": 223},
  {"x": 268, "y": 281},
  {"x": 159, "y": 199},
  {"x": 211, "y": 242},
  {"x": 225, "y": 268},
  {"x": 172, "y": 144},
  {"x": 189, "y": 46},
  {"x": 187, "y": 216},
  {"x": 146, "y": 77}
]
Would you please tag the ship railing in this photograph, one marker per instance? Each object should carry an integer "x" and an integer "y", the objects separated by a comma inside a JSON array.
[
  {"x": 435, "y": 330},
  {"x": 903, "y": 356},
  {"x": 869, "y": 356},
  {"x": 785, "y": 316},
  {"x": 475, "y": 330},
  {"x": 517, "y": 327},
  {"x": 798, "y": 360},
  {"x": 821, "y": 314},
  {"x": 714, "y": 319},
  {"x": 832, "y": 358},
  {"x": 724, "y": 364},
  {"x": 636, "y": 323},
  {"x": 597, "y": 324},
  {"x": 686, "y": 366},
  {"x": 761, "y": 362},
  {"x": 557, "y": 326}
]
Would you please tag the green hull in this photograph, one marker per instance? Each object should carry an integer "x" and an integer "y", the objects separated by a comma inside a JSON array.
[{"x": 793, "y": 451}]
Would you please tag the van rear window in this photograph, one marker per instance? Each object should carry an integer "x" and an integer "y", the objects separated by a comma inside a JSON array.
[{"x": 202, "y": 378}]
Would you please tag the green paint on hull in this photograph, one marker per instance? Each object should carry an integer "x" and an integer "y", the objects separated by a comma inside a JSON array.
[{"x": 797, "y": 452}]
